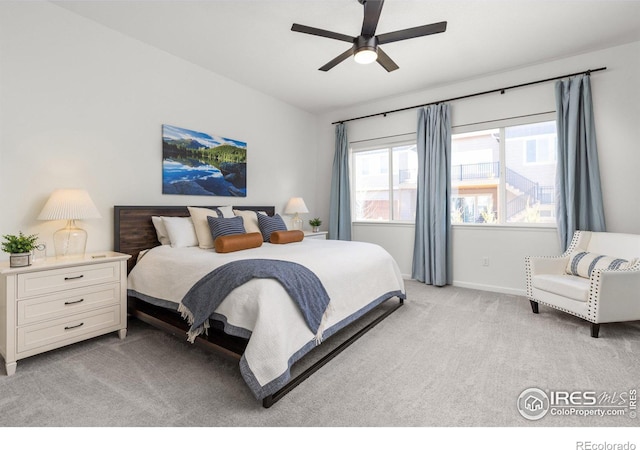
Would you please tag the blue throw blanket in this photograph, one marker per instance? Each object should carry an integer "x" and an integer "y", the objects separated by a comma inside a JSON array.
[{"x": 302, "y": 285}]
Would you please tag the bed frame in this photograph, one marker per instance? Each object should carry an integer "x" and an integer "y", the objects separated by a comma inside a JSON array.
[{"x": 134, "y": 232}]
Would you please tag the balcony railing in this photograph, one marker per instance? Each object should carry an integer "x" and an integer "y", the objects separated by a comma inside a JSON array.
[{"x": 529, "y": 191}]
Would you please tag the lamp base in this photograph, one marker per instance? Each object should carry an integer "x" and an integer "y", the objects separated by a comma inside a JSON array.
[
  {"x": 70, "y": 241},
  {"x": 296, "y": 222}
]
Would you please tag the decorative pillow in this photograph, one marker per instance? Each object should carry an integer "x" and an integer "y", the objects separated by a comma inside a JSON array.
[
  {"x": 199, "y": 216},
  {"x": 582, "y": 263},
  {"x": 235, "y": 242},
  {"x": 226, "y": 211},
  {"x": 161, "y": 230},
  {"x": 181, "y": 232},
  {"x": 250, "y": 220},
  {"x": 286, "y": 237},
  {"x": 270, "y": 224},
  {"x": 220, "y": 226}
]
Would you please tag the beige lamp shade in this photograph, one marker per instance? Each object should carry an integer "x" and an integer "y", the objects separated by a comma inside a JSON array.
[
  {"x": 296, "y": 206},
  {"x": 69, "y": 205}
]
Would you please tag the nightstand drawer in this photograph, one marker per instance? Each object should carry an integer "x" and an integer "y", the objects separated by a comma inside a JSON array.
[
  {"x": 48, "y": 281},
  {"x": 66, "y": 330},
  {"x": 67, "y": 303}
]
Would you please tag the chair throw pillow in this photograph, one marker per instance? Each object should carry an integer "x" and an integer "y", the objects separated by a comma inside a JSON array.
[
  {"x": 270, "y": 224},
  {"x": 286, "y": 237},
  {"x": 236, "y": 242},
  {"x": 220, "y": 226},
  {"x": 582, "y": 263}
]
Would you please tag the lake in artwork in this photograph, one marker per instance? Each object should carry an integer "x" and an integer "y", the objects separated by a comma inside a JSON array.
[{"x": 196, "y": 163}]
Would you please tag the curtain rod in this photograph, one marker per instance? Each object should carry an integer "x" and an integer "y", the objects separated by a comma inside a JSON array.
[{"x": 501, "y": 90}]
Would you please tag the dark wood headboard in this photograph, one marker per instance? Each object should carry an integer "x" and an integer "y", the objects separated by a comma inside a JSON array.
[{"x": 134, "y": 230}]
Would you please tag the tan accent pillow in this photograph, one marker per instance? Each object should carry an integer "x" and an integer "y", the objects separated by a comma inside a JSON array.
[
  {"x": 235, "y": 242},
  {"x": 250, "y": 220},
  {"x": 200, "y": 223},
  {"x": 286, "y": 237}
]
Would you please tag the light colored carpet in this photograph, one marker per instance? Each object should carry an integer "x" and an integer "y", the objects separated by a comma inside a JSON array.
[{"x": 450, "y": 357}]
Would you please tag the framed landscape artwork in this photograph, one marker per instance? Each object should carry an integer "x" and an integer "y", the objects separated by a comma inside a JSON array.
[{"x": 196, "y": 163}]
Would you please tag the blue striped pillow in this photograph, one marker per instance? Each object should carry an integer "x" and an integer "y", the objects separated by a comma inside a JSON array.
[
  {"x": 221, "y": 226},
  {"x": 270, "y": 224},
  {"x": 583, "y": 263}
]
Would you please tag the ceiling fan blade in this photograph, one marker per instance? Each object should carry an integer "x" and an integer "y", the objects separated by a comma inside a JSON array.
[
  {"x": 323, "y": 33},
  {"x": 386, "y": 62},
  {"x": 337, "y": 60},
  {"x": 372, "y": 10},
  {"x": 410, "y": 33}
]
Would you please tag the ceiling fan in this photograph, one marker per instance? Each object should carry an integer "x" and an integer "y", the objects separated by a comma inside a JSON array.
[{"x": 366, "y": 47}]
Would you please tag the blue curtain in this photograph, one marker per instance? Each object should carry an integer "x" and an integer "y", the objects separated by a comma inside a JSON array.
[
  {"x": 340, "y": 200},
  {"x": 578, "y": 191},
  {"x": 432, "y": 244}
]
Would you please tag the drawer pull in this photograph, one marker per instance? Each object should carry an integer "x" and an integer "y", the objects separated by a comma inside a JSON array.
[
  {"x": 74, "y": 326},
  {"x": 73, "y": 278},
  {"x": 73, "y": 303}
]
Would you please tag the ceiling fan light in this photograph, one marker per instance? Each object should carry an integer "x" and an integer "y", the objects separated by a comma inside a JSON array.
[{"x": 365, "y": 56}]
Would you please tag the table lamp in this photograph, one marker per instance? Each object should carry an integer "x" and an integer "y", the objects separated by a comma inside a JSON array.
[
  {"x": 69, "y": 205},
  {"x": 296, "y": 206}
]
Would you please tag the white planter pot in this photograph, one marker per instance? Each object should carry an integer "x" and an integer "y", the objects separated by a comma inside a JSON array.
[{"x": 20, "y": 259}]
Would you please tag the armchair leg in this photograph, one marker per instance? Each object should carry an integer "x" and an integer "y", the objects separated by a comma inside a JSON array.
[
  {"x": 534, "y": 306},
  {"x": 595, "y": 329}
]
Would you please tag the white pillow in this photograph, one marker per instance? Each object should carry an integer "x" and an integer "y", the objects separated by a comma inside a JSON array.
[
  {"x": 181, "y": 231},
  {"x": 161, "y": 230},
  {"x": 227, "y": 211},
  {"x": 250, "y": 220}
]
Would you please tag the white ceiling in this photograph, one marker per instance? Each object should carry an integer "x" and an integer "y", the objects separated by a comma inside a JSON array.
[{"x": 251, "y": 42}]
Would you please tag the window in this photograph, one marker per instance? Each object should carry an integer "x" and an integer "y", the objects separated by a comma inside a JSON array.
[
  {"x": 504, "y": 175},
  {"x": 384, "y": 182}
]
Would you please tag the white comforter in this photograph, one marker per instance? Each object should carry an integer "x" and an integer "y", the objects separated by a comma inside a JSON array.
[{"x": 354, "y": 274}]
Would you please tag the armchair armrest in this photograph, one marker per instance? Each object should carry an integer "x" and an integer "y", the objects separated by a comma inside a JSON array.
[
  {"x": 547, "y": 265},
  {"x": 615, "y": 295},
  {"x": 536, "y": 265}
]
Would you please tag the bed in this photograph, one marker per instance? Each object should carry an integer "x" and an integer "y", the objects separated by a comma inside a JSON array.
[{"x": 258, "y": 323}]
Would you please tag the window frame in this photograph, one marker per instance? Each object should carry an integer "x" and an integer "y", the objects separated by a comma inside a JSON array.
[
  {"x": 501, "y": 125},
  {"x": 388, "y": 143}
]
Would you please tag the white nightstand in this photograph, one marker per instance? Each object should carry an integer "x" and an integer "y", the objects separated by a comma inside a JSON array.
[
  {"x": 54, "y": 303},
  {"x": 315, "y": 234}
]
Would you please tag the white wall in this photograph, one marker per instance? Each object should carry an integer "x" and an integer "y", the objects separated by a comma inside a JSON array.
[
  {"x": 616, "y": 99},
  {"x": 82, "y": 106}
]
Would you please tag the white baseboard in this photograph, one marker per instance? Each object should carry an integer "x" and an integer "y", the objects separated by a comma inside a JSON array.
[
  {"x": 491, "y": 288},
  {"x": 482, "y": 287}
]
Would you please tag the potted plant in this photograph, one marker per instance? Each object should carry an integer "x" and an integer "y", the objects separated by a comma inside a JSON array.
[
  {"x": 20, "y": 248},
  {"x": 315, "y": 224}
]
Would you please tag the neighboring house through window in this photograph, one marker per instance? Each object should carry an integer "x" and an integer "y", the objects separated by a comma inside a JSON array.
[
  {"x": 384, "y": 176},
  {"x": 504, "y": 175}
]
